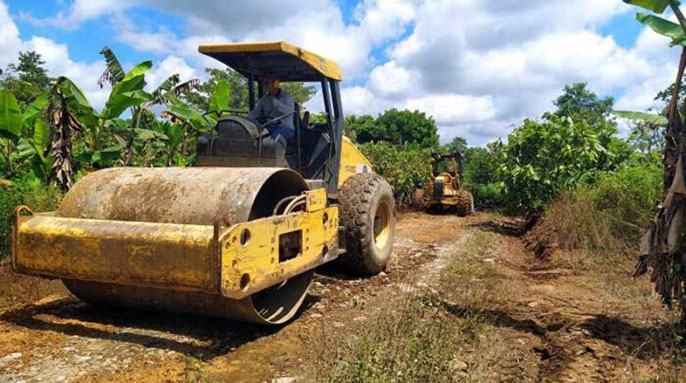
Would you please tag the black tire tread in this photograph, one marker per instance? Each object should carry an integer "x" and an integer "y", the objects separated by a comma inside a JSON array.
[
  {"x": 355, "y": 199},
  {"x": 465, "y": 203}
]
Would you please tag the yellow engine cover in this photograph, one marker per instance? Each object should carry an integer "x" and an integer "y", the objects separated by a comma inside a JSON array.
[{"x": 352, "y": 161}]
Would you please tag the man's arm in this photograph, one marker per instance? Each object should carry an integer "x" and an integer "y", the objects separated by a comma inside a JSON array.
[
  {"x": 285, "y": 104},
  {"x": 258, "y": 111}
]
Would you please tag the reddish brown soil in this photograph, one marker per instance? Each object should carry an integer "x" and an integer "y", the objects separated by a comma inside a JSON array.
[{"x": 552, "y": 320}]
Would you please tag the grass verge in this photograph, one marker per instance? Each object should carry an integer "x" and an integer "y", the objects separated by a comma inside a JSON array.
[{"x": 423, "y": 339}]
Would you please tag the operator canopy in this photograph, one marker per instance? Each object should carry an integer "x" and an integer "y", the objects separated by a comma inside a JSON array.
[{"x": 287, "y": 62}]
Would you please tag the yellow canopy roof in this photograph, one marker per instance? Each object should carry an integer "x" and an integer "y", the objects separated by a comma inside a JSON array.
[{"x": 286, "y": 61}]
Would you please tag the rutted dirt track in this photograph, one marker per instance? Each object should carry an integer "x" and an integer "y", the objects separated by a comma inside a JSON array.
[{"x": 556, "y": 320}]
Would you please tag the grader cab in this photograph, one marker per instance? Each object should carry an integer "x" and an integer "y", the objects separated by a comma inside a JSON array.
[{"x": 234, "y": 237}]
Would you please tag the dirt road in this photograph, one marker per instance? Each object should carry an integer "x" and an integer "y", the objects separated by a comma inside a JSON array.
[{"x": 505, "y": 316}]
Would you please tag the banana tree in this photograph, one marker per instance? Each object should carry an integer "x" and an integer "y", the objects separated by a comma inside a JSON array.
[
  {"x": 185, "y": 122},
  {"x": 71, "y": 113},
  {"x": 174, "y": 148},
  {"x": 179, "y": 111},
  {"x": 15, "y": 126},
  {"x": 662, "y": 247},
  {"x": 68, "y": 106},
  {"x": 11, "y": 120},
  {"x": 115, "y": 75}
]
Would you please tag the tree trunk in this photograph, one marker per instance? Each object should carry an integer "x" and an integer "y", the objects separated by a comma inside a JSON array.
[
  {"x": 128, "y": 157},
  {"x": 662, "y": 247}
]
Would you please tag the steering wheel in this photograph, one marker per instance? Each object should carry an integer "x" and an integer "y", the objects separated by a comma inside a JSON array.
[
  {"x": 269, "y": 122},
  {"x": 220, "y": 113}
]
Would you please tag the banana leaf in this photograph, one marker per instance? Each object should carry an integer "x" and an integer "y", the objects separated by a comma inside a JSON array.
[
  {"x": 653, "y": 119},
  {"x": 663, "y": 27},
  {"x": 128, "y": 92},
  {"x": 220, "y": 97},
  {"x": 114, "y": 73},
  {"x": 35, "y": 108},
  {"x": 11, "y": 118},
  {"x": 657, "y": 6}
]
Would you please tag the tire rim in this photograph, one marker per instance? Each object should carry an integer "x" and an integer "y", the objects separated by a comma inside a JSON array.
[{"x": 382, "y": 225}]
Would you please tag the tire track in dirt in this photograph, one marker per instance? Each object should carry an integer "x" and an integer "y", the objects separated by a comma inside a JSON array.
[{"x": 571, "y": 313}]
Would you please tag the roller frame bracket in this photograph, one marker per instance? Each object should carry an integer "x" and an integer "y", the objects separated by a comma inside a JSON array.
[{"x": 250, "y": 262}]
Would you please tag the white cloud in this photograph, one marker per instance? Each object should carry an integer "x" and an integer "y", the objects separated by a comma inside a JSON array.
[
  {"x": 390, "y": 81},
  {"x": 477, "y": 66},
  {"x": 84, "y": 74},
  {"x": 454, "y": 109},
  {"x": 58, "y": 63},
  {"x": 56, "y": 57},
  {"x": 10, "y": 43},
  {"x": 481, "y": 66},
  {"x": 169, "y": 66},
  {"x": 314, "y": 25},
  {"x": 79, "y": 12},
  {"x": 356, "y": 100}
]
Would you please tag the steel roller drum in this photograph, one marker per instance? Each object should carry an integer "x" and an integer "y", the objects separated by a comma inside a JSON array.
[{"x": 197, "y": 196}]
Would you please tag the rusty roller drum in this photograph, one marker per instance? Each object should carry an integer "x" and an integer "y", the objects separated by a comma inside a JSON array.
[{"x": 187, "y": 196}]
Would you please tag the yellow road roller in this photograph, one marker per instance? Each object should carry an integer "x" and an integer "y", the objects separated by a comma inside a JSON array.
[{"x": 239, "y": 235}]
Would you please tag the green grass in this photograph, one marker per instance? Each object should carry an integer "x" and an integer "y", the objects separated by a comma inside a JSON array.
[
  {"x": 421, "y": 340},
  {"x": 33, "y": 193}
]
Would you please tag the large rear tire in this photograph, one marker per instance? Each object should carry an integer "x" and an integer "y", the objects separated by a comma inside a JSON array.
[
  {"x": 465, "y": 203},
  {"x": 367, "y": 210}
]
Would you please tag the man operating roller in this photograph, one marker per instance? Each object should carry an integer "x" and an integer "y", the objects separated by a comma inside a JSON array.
[{"x": 275, "y": 103}]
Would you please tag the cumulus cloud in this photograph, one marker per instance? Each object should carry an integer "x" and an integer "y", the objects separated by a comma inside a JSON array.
[
  {"x": 85, "y": 74},
  {"x": 78, "y": 12},
  {"x": 314, "y": 25},
  {"x": 479, "y": 67},
  {"x": 58, "y": 63},
  {"x": 10, "y": 43},
  {"x": 454, "y": 109},
  {"x": 171, "y": 65}
]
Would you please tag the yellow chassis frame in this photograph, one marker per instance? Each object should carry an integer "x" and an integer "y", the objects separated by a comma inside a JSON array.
[
  {"x": 233, "y": 260},
  {"x": 445, "y": 201}
]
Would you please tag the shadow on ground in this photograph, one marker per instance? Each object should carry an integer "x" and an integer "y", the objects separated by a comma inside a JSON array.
[
  {"x": 201, "y": 337},
  {"x": 640, "y": 342}
]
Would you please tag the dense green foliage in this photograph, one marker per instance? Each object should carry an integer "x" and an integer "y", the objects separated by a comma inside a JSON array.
[
  {"x": 406, "y": 167},
  {"x": 29, "y": 191},
  {"x": 27, "y": 79},
  {"x": 399, "y": 144},
  {"x": 456, "y": 145},
  {"x": 547, "y": 156},
  {"x": 480, "y": 175},
  {"x": 608, "y": 211},
  {"x": 396, "y": 127}
]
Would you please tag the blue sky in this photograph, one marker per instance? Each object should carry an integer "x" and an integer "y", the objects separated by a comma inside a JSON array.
[{"x": 478, "y": 67}]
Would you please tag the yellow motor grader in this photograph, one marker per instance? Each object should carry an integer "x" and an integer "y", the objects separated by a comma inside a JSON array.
[
  {"x": 235, "y": 236},
  {"x": 445, "y": 189}
]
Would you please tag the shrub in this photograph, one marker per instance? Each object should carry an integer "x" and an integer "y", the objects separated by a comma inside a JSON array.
[
  {"x": 480, "y": 175},
  {"x": 629, "y": 196},
  {"x": 406, "y": 167},
  {"x": 486, "y": 196},
  {"x": 546, "y": 157},
  {"x": 31, "y": 192},
  {"x": 609, "y": 210}
]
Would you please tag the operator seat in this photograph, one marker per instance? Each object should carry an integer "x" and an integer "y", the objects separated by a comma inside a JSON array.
[{"x": 293, "y": 147}]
